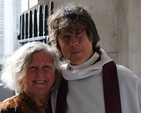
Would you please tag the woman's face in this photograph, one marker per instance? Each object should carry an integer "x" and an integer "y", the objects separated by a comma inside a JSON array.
[{"x": 40, "y": 74}]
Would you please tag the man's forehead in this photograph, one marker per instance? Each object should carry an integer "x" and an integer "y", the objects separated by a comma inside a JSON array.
[{"x": 72, "y": 28}]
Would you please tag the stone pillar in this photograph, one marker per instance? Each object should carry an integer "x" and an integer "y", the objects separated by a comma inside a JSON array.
[
  {"x": 129, "y": 38},
  {"x": 9, "y": 28},
  {"x": 135, "y": 36},
  {"x": 123, "y": 32}
]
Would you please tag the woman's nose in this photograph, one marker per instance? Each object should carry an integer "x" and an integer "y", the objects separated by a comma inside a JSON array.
[{"x": 40, "y": 72}]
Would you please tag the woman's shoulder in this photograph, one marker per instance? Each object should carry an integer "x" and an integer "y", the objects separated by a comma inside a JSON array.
[{"x": 11, "y": 102}]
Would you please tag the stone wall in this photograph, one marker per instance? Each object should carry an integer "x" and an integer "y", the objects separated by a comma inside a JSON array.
[{"x": 119, "y": 26}]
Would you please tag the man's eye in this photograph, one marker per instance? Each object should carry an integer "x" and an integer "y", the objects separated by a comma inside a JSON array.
[
  {"x": 65, "y": 37},
  {"x": 77, "y": 33}
]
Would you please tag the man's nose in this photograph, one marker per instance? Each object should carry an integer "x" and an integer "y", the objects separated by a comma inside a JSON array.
[{"x": 74, "y": 41}]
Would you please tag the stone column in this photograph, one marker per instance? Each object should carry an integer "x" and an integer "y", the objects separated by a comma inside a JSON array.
[
  {"x": 9, "y": 28},
  {"x": 135, "y": 36},
  {"x": 129, "y": 38}
]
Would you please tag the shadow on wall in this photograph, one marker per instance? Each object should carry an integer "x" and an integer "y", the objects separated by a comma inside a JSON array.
[
  {"x": 0, "y": 67},
  {"x": 4, "y": 93},
  {"x": 0, "y": 72}
]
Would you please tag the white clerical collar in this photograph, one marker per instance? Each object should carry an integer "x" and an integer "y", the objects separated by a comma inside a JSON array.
[{"x": 87, "y": 63}]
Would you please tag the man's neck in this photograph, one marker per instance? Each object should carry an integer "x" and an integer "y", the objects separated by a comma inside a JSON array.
[{"x": 87, "y": 63}]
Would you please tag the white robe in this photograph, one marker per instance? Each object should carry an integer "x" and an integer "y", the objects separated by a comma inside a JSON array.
[{"x": 85, "y": 89}]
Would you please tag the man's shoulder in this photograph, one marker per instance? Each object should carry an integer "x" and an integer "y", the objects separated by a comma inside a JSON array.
[
  {"x": 125, "y": 73},
  {"x": 123, "y": 69}
]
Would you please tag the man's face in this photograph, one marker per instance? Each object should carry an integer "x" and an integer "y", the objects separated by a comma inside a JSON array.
[{"x": 75, "y": 46}]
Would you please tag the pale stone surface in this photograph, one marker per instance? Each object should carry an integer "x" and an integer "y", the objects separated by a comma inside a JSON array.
[
  {"x": 123, "y": 32},
  {"x": 135, "y": 36},
  {"x": 32, "y": 3},
  {"x": 25, "y": 5},
  {"x": 113, "y": 56},
  {"x": 134, "y": 63},
  {"x": 9, "y": 28},
  {"x": 92, "y": 4},
  {"x": 107, "y": 29}
]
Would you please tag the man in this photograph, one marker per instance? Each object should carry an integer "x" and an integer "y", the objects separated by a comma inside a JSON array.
[{"x": 92, "y": 82}]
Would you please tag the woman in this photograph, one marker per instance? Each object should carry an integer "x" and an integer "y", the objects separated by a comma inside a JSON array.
[{"x": 32, "y": 71}]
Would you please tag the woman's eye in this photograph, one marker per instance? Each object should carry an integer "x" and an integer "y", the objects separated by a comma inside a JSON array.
[
  {"x": 33, "y": 67},
  {"x": 46, "y": 66}
]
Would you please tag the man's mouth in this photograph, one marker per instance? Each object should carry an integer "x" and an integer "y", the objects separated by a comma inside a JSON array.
[
  {"x": 40, "y": 81},
  {"x": 75, "y": 52}
]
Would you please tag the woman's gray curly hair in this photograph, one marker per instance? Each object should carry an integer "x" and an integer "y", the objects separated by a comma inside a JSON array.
[{"x": 15, "y": 67}]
